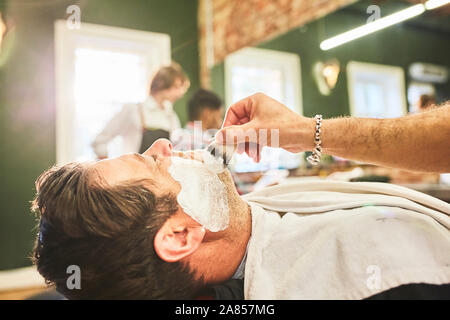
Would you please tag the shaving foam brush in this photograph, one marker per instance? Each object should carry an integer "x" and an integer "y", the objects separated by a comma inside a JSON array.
[{"x": 222, "y": 152}]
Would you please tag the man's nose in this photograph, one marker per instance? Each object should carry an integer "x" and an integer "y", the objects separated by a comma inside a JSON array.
[{"x": 162, "y": 147}]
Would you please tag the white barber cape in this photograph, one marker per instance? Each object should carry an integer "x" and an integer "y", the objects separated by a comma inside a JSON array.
[{"x": 344, "y": 240}]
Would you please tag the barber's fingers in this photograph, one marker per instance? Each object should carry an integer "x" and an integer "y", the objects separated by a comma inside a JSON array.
[
  {"x": 253, "y": 150},
  {"x": 239, "y": 113},
  {"x": 237, "y": 134},
  {"x": 240, "y": 148}
]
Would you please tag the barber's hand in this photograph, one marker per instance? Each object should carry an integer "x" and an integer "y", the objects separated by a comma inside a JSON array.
[{"x": 245, "y": 120}]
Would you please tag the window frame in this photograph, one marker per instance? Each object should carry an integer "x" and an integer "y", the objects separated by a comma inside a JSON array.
[
  {"x": 354, "y": 67},
  {"x": 288, "y": 62},
  {"x": 66, "y": 41}
]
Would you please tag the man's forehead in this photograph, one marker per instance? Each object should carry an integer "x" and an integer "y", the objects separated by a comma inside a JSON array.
[{"x": 120, "y": 169}]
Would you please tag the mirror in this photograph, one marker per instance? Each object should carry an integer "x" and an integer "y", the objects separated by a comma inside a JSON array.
[{"x": 366, "y": 77}]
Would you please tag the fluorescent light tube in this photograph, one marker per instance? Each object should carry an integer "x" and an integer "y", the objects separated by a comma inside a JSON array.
[
  {"x": 371, "y": 27},
  {"x": 431, "y": 4}
]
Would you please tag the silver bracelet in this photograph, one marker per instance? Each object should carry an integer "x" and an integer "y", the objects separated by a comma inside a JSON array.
[{"x": 314, "y": 159}]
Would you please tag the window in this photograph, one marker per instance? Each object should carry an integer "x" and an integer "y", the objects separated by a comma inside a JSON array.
[
  {"x": 98, "y": 69},
  {"x": 275, "y": 73},
  {"x": 376, "y": 91}
]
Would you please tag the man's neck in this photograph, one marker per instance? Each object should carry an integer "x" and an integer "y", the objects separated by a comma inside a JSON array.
[{"x": 223, "y": 251}]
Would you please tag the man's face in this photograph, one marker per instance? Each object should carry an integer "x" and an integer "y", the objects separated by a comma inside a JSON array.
[
  {"x": 153, "y": 164},
  {"x": 180, "y": 233},
  {"x": 211, "y": 118},
  {"x": 177, "y": 90}
]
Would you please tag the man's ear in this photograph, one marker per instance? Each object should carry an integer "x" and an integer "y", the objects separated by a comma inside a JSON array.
[{"x": 174, "y": 243}]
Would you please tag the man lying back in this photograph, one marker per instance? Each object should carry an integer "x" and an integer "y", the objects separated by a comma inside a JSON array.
[{"x": 154, "y": 226}]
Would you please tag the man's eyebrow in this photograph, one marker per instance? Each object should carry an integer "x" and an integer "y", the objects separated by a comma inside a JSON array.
[
  {"x": 142, "y": 159},
  {"x": 139, "y": 157}
]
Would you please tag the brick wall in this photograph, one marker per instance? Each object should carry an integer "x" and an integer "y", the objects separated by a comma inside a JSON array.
[{"x": 234, "y": 24}]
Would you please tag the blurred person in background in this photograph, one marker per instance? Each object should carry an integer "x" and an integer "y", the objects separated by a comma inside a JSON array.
[
  {"x": 142, "y": 124},
  {"x": 206, "y": 111}
]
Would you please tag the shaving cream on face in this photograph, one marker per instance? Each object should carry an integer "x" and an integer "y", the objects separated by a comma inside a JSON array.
[
  {"x": 203, "y": 196},
  {"x": 213, "y": 164}
]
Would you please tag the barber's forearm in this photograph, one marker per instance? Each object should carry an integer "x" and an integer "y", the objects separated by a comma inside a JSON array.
[
  {"x": 368, "y": 140},
  {"x": 420, "y": 142}
]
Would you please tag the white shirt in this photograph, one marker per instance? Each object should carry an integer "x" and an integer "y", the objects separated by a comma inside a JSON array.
[{"x": 128, "y": 124}]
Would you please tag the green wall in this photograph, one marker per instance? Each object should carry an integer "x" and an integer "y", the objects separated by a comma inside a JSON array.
[
  {"x": 399, "y": 45},
  {"x": 27, "y": 97}
]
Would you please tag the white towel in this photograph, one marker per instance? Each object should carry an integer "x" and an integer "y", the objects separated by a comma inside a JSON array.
[{"x": 344, "y": 240}]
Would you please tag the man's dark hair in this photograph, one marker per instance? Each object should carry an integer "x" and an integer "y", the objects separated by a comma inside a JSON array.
[
  {"x": 108, "y": 232},
  {"x": 200, "y": 100}
]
